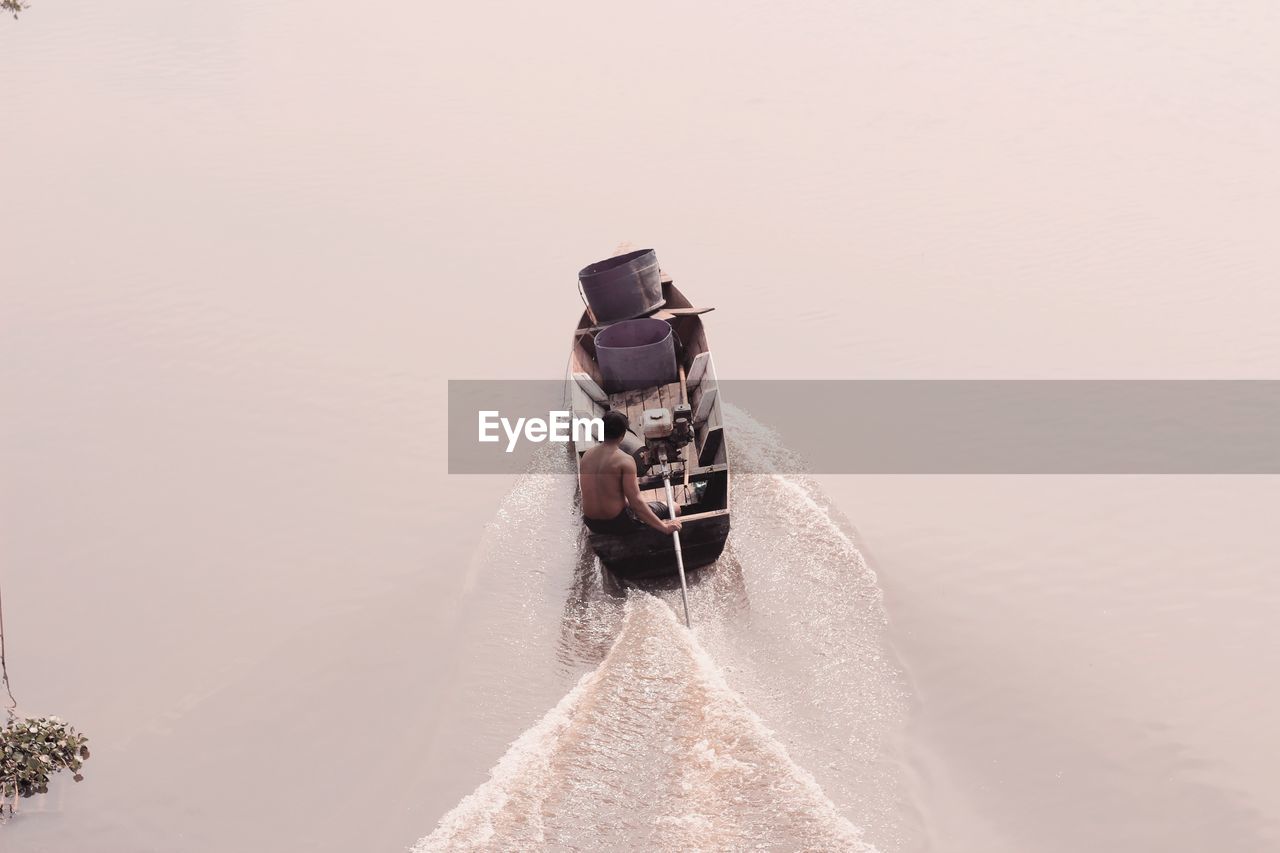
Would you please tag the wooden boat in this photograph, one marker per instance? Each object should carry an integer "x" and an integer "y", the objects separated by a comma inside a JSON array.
[{"x": 700, "y": 480}]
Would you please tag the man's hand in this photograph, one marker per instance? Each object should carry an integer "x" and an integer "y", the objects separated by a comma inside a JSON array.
[{"x": 671, "y": 526}]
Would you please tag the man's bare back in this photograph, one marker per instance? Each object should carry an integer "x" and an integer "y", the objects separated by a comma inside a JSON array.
[
  {"x": 607, "y": 476},
  {"x": 600, "y": 475}
]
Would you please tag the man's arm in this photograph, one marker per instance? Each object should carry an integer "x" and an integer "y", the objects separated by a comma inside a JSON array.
[{"x": 631, "y": 491}]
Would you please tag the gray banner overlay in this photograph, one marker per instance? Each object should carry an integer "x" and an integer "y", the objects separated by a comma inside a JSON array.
[{"x": 943, "y": 426}]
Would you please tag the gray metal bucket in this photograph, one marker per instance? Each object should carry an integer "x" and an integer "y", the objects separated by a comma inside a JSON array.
[
  {"x": 636, "y": 354},
  {"x": 623, "y": 287}
]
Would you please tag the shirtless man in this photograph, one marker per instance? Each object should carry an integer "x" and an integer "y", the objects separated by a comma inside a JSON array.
[{"x": 611, "y": 500}]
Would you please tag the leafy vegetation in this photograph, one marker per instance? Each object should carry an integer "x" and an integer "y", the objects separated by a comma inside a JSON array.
[
  {"x": 14, "y": 6},
  {"x": 31, "y": 750}
]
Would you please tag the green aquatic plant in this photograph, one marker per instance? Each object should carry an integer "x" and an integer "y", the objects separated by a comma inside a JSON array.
[{"x": 31, "y": 749}]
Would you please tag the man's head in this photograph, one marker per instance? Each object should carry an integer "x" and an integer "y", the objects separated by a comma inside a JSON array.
[{"x": 615, "y": 426}]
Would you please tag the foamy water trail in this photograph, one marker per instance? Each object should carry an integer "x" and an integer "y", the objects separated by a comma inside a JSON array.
[
  {"x": 652, "y": 750},
  {"x": 809, "y": 652},
  {"x": 771, "y": 726}
]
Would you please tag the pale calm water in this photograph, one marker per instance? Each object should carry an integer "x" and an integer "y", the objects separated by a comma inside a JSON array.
[{"x": 244, "y": 245}]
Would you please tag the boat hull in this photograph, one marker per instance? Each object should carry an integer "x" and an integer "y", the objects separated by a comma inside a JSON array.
[
  {"x": 649, "y": 555},
  {"x": 700, "y": 484}
]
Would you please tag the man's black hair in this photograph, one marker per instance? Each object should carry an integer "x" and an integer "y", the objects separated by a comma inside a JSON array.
[{"x": 615, "y": 425}]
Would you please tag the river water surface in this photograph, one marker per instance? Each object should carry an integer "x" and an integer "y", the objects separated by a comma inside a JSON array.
[{"x": 246, "y": 244}]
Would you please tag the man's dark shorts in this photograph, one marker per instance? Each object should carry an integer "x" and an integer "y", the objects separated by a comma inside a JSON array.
[{"x": 625, "y": 521}]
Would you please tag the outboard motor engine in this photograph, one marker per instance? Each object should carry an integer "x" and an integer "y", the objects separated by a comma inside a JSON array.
[{"x": 665, "y": 432}]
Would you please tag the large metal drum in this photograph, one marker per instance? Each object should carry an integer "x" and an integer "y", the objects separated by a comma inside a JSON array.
[
  {"x": 623, "y": 287},
  {"x": 636, "y": 354}
]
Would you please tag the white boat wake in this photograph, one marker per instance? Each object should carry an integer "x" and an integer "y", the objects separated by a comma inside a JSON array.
[
  {"x": 652, "y": 750},
  {"x": 658, "y": 746}
]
